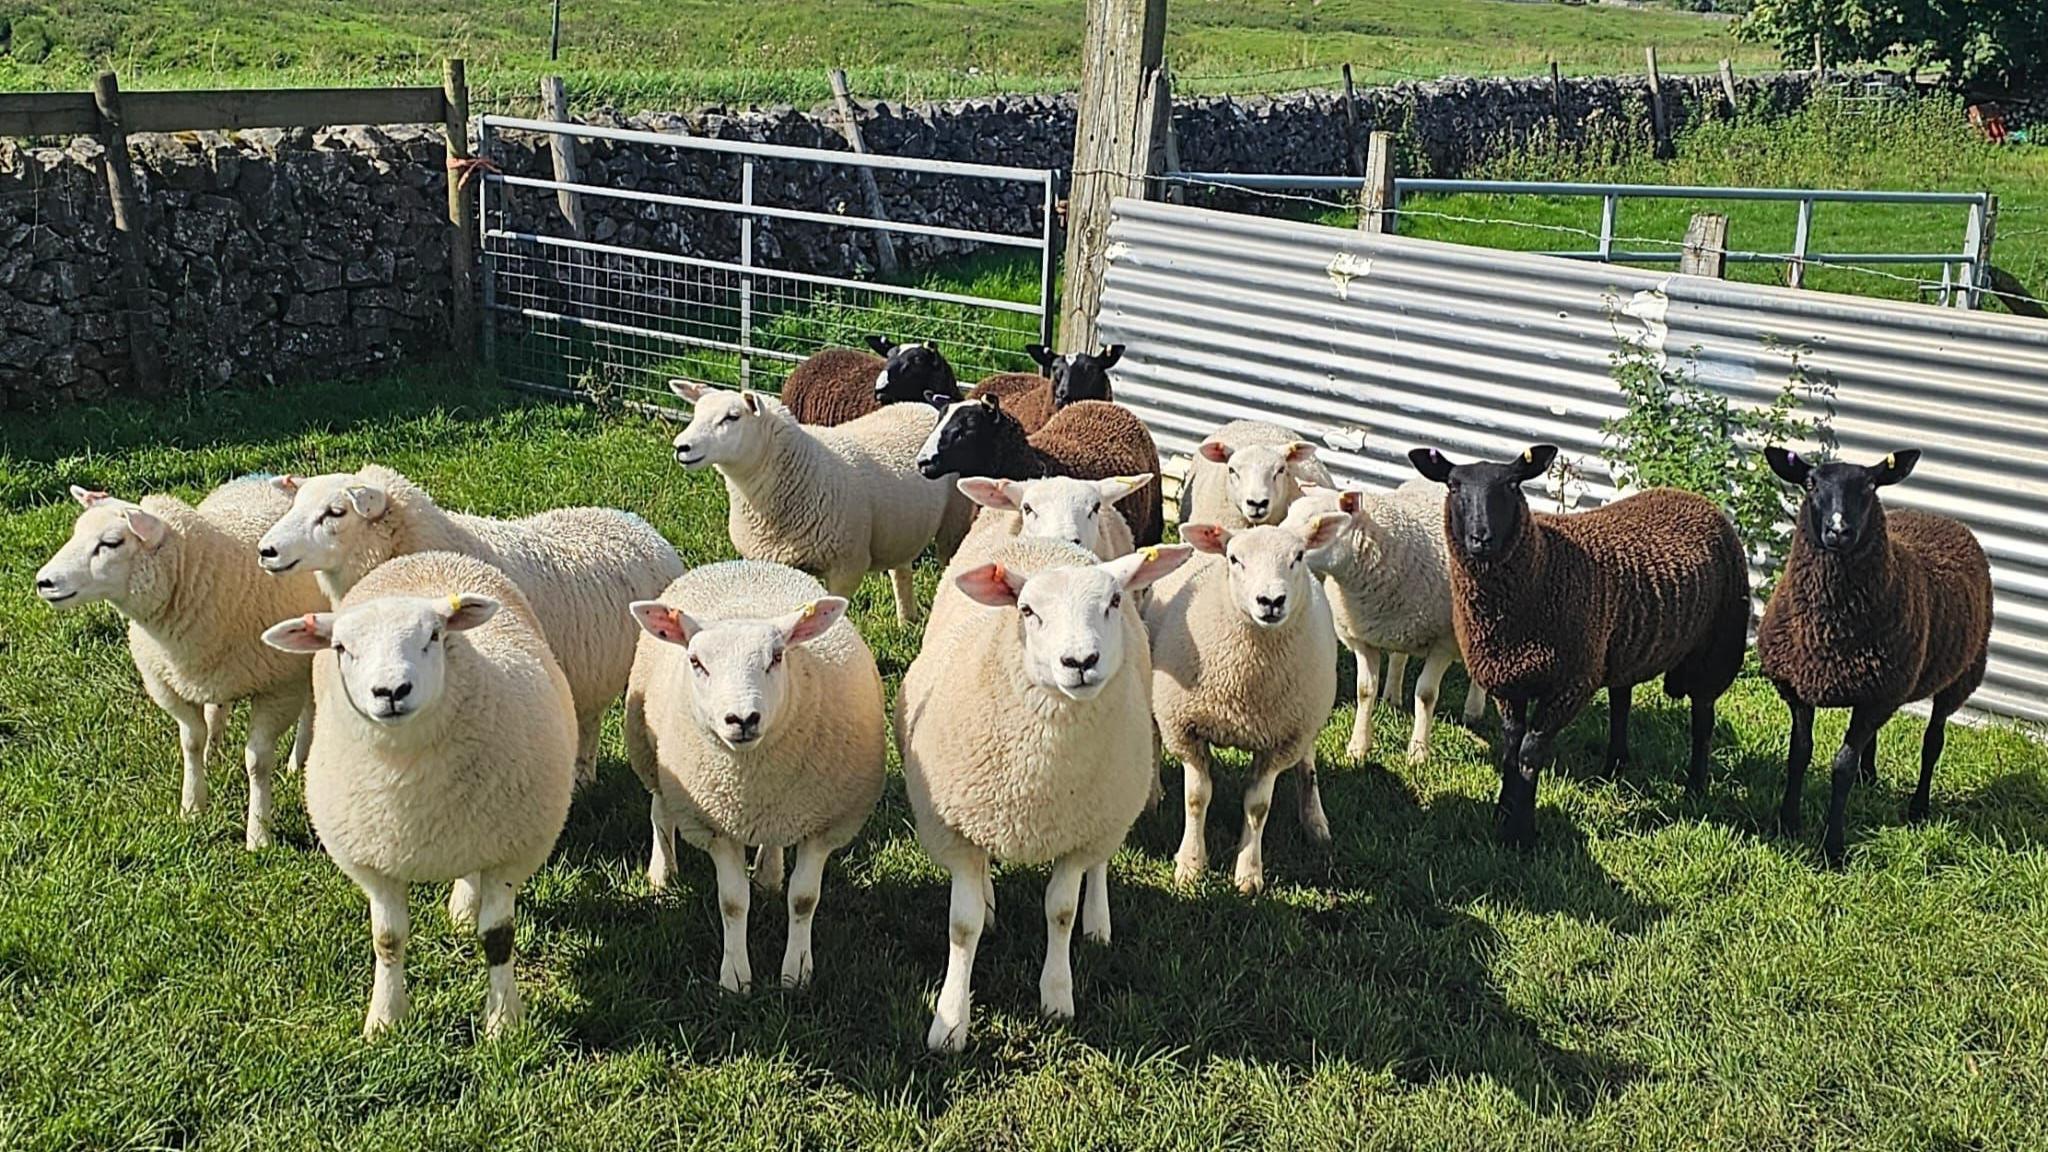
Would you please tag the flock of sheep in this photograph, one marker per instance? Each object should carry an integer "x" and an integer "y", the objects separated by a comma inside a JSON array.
[{"x": 461, "y": 665}]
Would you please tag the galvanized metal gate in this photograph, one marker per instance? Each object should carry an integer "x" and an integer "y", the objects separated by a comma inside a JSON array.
[
  {"x": 723, "y": 261},
  {"x": 1375, "y": 344}
]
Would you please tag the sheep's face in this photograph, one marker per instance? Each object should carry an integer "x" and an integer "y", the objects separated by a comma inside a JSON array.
[
  {"x": 964, "y": 439},
  {"x": 98, "y": 562},
  {"x": 738, "y": 672},
  {"x": 1056, "y": 507},
  {"x": 724, "y": 429},
  {"x": 1078, "y": 375},
  {"x": 1316, "y": 501},
  {"x": 1263, "y": 478},
  {"x": 391, "y": 652},
  {"x": 325, "y": 525},
  {"x": 1485, "y": 510},
  {"x": 1268, "y": 565},
  {"x": 1841, "y": 509},
  {"x": 910, "y": 372},
  {"x": 1071, "y": 618}
]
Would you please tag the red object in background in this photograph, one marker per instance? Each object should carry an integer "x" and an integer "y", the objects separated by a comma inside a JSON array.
[{"x": 1990, "y": 119}]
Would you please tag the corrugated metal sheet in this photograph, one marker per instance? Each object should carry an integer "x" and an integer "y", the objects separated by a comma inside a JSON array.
[{"x": 1481, "y": 352}]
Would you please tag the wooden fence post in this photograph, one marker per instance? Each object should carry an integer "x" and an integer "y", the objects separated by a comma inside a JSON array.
[
  {"x": 1706, "y": 246},
  {"x": 1984, "y": 223},
  {"x": 461, "y": 210},
  {"x": 563, "y": 150},
  {"x": 1728, "y": 87},
  {"x": 1125, "y": 45},
  {"x": 885, "y": 244},
  {"x": 1354, "y": 162},
  {"x": 1662, "y": 140},
  {"x": 1556, "y": 92},
  {"x": 1820, "y": 68},
  {"x": 143, "y": 359},
  {"x": 1376, "y": 202},
  {"x": 1165, "y": 154}
]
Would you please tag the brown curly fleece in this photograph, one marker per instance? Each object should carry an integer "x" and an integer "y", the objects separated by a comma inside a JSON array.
[
  {"x": 837, "y": 385},
  {"x": 1027, "y": 396}
]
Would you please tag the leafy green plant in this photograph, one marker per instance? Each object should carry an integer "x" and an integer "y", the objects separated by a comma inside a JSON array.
[{"x": 2000, "y": 42}]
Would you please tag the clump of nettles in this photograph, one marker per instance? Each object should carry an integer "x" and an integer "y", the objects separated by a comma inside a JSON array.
[{"x": 1678, "y": 433}]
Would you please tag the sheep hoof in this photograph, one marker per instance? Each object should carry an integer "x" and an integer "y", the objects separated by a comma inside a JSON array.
[
  {"x": 1418, "y": 751},
  {"x": 376, "y": 1026},
  {"x": 796, "y": 971},
  {"x": 1834, "y": 851},
  {"x": 729, "y": 978},
  {"x": 1250, "y": 882},
  {"x": 1358, "y": 750},
  {"x": 657, "y": 878},
  {"x": 257, "y": 838},
  {"x": 942, "y": 1037},
  {"x": 1187, "y": 870},
  {"x": 1916, "y": 812},
  {"x": 1057, "y": 1003},
  {"x": 1790, "y": 822}
]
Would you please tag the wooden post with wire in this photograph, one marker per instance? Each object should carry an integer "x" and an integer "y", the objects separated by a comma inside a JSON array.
[
  {"x": 1354, "y": 160},
  {"x": 1706, "y": 246},
  {"x": 1376, "y": 199},
  {"x": 461, "y": 209},
  {"x": 1125, "y": 46},
  {"x": 1728, "y": 88},
  {"x": 143, "y": 358},
  {"x": 842, "y": 96},
  {"x": 562, "y": 150},
  {"x": 1556, "y": 92},
  {"x": 1662, "y": 140},
  {"x": 1820, "y": 67}
]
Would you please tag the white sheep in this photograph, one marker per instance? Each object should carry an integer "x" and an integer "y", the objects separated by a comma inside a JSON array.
[
  {"x": 755, "y": 714},
  {"x": 186, "y": 579},
  {"x": 1081, "y": 512},
  {"x": 1024, "y": 724},
  {"x": 445, "y": 753},
  {"x": 836, "y": 502},
  {"x": 1248, "y": 472},
  {"x": 1244, "y": 656},
  {"x": 1389, "y": 583},
  {"x": 579, "y": 568}
]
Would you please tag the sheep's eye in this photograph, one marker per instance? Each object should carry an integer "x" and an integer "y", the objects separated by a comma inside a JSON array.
[
  {"x": 1095, "y": 511},
  {"x": 1116, "y": 601},
  {"x": 106, "y": 546},
  {"x": 433, "y": 637},
  {"x": 1030, "y": 511},
  {"x": 1235, "y": 562},
  {"x": 775, "y": 659},
  {"x": 697, "y": 666},
  {"x": 1025, "y": 611},
  {"x": 1232, "y": 469},
  {"x": 1298, "y": 556},
  {"x": 730, "y": 417},
  {"x": 339, "y": 650}
]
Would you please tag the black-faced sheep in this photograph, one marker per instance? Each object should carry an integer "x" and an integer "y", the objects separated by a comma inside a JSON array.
[
  {"x": 1548, "y": 609},
  {"x": 836, "y": 385},
  {"x": 1033, "y": 398},
  {"x": 1874, "y": 610},
  {"x": 1089, "y": 440}
]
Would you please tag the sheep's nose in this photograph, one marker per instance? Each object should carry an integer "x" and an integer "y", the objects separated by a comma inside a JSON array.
[
  {"x": 393, "y": 694},
  {"x": 267, "y": 551},
  {"x": 744, "y": 727},
  {"x": 1276, "y": 603},
  {"x": 1256, "y": 508},
  {"x": 45, "y": 584},
  {"x": 1081, "y": 663}
]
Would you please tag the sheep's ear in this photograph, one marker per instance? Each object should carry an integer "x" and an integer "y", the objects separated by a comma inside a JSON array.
[
  {"x": 1210, "y": 538},
  {"x": 881, "y": 344},
  {"x": 369, "y": 501},
  {"x": 1535, "y": 461},
  {"x": 1789, "y": 466},
  {"x": 992, "y": 402},
  {"x": 753, "y": 402},
  {"x": 1895, "y": 467},
  {"x": 148, "y": 528},
  {"x": 466, "y": 610},
  {"x": 689, "y": 389},
  {"x": 987, "y": 492},
  {"x": 1214, "y": 451},
  {"x": 1431, "y": 463},
  {"x": 1041, "y": 354},
  {"x": 990, "y": 584},
  {"x": 309, "y": 633},
  {"x": 1110, "y": 354},
  {"x": 87, "y": 497},
  {"x": 1323, "y": 529},
  {"x": 931, "y": 346},
  {"x": 1351, "y": 501},
  {"x": 289, "y": 485},
  {"x": 1137, "y": 571},
  {"x": 663, "y": 622},
  {"x": 1299, "y": 453},
  {"x": 812, "y": 620},
  {"x": 1115, "y": 488}
]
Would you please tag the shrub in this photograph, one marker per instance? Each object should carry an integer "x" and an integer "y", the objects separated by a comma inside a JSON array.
[
  {"x": 1996, "y": 42},
  {"x": 29, "y": 41}
]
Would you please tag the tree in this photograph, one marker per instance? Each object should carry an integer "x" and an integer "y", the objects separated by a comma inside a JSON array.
[{"x": 1999, "y": 43}]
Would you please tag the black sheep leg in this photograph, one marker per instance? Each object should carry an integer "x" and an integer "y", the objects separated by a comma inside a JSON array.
[
  {"x": 1513, "y": 723},
  {"x": 1930, "y": 755},
  {"x": 1619, "y": 697},
  {"x": 1869, "y": 766},
  {"x": 1863, "y": 725},
  {"x": 1702, "y": 745},
  {"x": 1521, "y": 820},
  {"x": 1796, "y": 760}
]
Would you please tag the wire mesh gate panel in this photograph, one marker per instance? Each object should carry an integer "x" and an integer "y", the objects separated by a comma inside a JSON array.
[
  {"x": 1375, "y": 344},
  {"x": 728, "y": 262}
]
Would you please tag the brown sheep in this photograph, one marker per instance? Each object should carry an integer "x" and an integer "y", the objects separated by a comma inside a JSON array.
[
  {"x": 836, "y": 385},
  {"x": 1874, "y": 610},
  {"x": 1033, "y": 398},
  {"x": 1548, "y": 609},
  {"x": 1088, "y": 440}
]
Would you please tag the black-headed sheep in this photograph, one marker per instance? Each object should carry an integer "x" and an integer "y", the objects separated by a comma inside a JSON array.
[
  {"x": 1088, "y": 440},
  {"x": 1033, "y": 398},
  {"x": 836, "y": 385}
]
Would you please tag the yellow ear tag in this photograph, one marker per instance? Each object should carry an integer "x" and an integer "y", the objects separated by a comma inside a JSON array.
[
  {"x": 1528, "y": 455},
  {"x": 1151, "y": 553},
  {"x": 454, "y": 603},
  {"x": 810, "y": 609},
  {"x": 1891, "y": 461}
]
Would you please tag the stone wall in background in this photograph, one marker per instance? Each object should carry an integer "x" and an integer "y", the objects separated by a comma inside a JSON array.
[{"x": 278, "y": 254}]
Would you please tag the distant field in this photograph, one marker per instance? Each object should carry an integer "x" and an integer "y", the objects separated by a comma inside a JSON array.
[{"x": 668, "y": 53}]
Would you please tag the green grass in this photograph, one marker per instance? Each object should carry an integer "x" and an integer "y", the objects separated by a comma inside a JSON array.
[
  {"x": 676, "y": 53},
  {"x": 1661, "y": 973}
]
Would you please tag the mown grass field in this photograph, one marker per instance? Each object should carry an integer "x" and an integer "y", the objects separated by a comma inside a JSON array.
[
  {"x": 1660, "y": 973},
  {"x": 677, "y": 53}
]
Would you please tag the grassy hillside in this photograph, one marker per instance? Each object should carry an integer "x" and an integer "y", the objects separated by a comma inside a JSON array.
[{"x": 668, "y": 53}]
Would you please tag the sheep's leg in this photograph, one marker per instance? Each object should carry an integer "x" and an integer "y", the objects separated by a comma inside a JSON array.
[
  {"x": 1796, "y": 759},
  {"x": 1869, "y": 766},
  {"x": 661, "y": 859},
  {"x": 901, "y": 582},
  {"x": 1250, "y": 873},
  {"x": 216, "y": 728},
  {"x": 1095, "y": 903},
  {"x": 1619, "y": 697},
  {"x": 192, "y": 741},
  {"x": 1702, "y": 745},
  {"x": 988, "y": 899},
  {"x": 1154, "y": 790},
  {"x": 1368, "y": 661},
  {"x": 1520, "y": 829},
  {"x": 589, "y": 731},
  {"x": 1308, "y": 799},
  {"x": 1930, "y": 755},
  {"x": 768, "y": 869},
  {"x": 1475, "y": 700},
  {"x": 1062, "y": 904},
  {"x": 465, "y": 898},
  {"x": 390, "y": 927},
  {"x": 806, "y": 880},
  {"x": 952, "y": 1020},
  {"x": 1863, "y": 725},
  {"x": 729, "y": 857},
  {"x": 1196, "y": 788},
  {"x": 1397, "y": 675},
  {"x": 268, "y": 718},
  {"x": 302, "y": 738},
  {"x": 1427, "y": 686},
  {"x": 502, "y": 1006}
]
